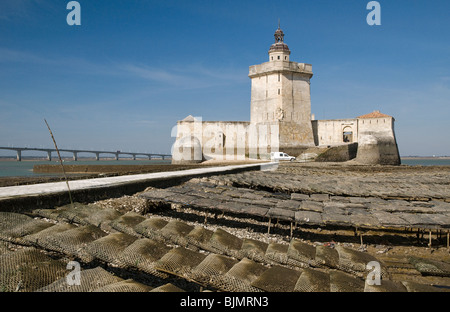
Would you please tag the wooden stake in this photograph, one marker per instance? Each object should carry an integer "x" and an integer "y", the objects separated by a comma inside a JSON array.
[
  {"x": 61, "y": 162},
  {"x": 448, "y": 240},
  {"x": 429, "y": 243},
  {"x": 268, "y": 228}
]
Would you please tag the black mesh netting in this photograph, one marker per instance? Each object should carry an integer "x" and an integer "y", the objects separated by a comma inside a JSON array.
[
  {"x": 254, "y": 249},
  {"x": 27, "y": 270},
  {"x": 89, "y": 280},
  {"x": 210, "y": 272},
  {"x": 108, "y": 248},
  {"x": 344, "y": 282},
  {"x": 224, "y": 242},
  {"x": 313, "y": 281},
  {"x": 19, "y": 228},
  {"x": 143, "y": 254},
  {"x": 127, "y": 222},
  {"x": 180, "y": 262},
  {"x": 277, "y": 279},
  {"x": 242, "y": 275},
  {"x": 151, "y": 228},
  {"x": 167, "y": 288},
  {"x": 128, "y": 285},
  {"x": 277, "y": 252},
  {"x": 431, "y": 267},
  {"x": 355, "y": 262},
  {"x": 200, "y": 237},
  {"x": 175, "y": 231},
  {"x": 72, "y": 242}
]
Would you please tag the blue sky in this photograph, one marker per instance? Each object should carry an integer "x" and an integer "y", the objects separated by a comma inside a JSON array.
[{"x": 122, "y": 79}]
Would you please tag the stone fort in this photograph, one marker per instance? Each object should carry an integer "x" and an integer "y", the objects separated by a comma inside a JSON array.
[{"x": 281, "y": 120}]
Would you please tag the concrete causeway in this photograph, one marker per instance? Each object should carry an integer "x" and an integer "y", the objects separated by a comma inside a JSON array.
[{"x": 44, "y": 189}]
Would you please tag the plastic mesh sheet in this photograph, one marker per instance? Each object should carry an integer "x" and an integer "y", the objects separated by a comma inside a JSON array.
[
  {"x": 254, "y": 249},
  {"x": 128, "y": 285},
  {"x": 28, "y": 270},
  {"x": 4, "y": 248},
  {"x": 200, "y": 237},
  {"x": 417, "y": 287},
  {"x": 11, "y": 219},
  {"x": 52, "y": 213},
  {"x": 430, "y": 267},
  {"x": 143, "y": 254},
  {"x": 180, "y": 261},
  {"x": 73, "y": 241},
  {"x": 16, "y": 231},
  {"x": 175, "y": 232},
  {"x": 210, "y": 272},
  {"x": 343, "y": 282},
  {"x": 302, "y": 252},
  {"x": 227, "y": 243},
  {"x": 242, "y": 275},
  {"x": 39, "y": 238},
  {"x": 167, "y": 288},
  {"x": 90, "y": 280},
  {"x": 313, "y": 281},
  {"x": 109, "y": 247},
  {"x": 102, "y": 218},
  {"x": 355, "y": 262},
  {"x": 385, "y": 286},
  {"x": 127, "y": 222},
  {"x": 76, "y": 213},
  {"x": 326, "y": 257},
  {"x": 277, "y": 252},
  {"x": 151, "y": 228},
  {"x": 277, "y": 279}
]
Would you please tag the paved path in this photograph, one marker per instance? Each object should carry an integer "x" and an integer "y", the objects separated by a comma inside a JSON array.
[{"x": 58, "y": 187}]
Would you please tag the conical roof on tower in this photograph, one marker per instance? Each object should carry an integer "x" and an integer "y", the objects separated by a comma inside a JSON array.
[{"x": 279, "y": 44}]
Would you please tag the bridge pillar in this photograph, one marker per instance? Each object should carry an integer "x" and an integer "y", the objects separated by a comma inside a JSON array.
[
  {"x": 149, "y": 157},
  {"x": 117, "y": 156},
  {"x": 75, "y": 156},
  {"x": 163, "y": 158},
  {"x": 97, "y": 156},
  {"x": 134, "y": 156},
  {"x": 49, "y": 155},
  {"x": 19, "y": 155}
]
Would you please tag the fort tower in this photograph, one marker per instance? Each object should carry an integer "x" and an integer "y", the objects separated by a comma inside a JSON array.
[{"x": 280, "y": 95}]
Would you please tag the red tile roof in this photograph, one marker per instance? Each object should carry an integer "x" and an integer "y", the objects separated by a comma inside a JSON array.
[{"x": 374, "y": 114}]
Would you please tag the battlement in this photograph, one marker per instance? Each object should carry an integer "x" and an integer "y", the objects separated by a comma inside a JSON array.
[{"x": 280, "y": 66}]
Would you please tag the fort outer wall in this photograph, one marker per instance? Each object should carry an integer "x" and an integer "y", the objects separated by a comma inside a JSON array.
[{"x": 377, "y": 144}]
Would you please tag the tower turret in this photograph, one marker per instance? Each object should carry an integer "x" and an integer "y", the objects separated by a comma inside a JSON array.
[{"x": 279, "y": 51}]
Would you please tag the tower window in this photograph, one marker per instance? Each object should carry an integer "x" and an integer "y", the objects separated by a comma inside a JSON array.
[
  {"x": 272, "y": 58},
  {"x": 285, "y": 57},
  {"x": 278, "y": 57},
  {"x": 278, "y": 76},
  {"x": 278, "y": 91}
]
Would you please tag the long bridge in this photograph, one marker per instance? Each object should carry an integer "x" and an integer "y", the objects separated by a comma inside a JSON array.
[{"x": 75, "y": 152}]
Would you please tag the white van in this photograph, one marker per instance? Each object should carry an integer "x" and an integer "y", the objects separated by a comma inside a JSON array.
[{"x": 277, "y": 156}]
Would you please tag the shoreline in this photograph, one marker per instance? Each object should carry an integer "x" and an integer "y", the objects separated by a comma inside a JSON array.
[{"x": 78, "y": 172}]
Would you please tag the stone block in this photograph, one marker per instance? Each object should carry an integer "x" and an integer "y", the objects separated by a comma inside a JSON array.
[
  {"x": 311, "y": 206},
  {"x": 308, "y": 217},
  {"x": 300, "y": 197}
]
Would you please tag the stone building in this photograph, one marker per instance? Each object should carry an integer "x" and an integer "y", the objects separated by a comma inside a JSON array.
[{"x": 281, "y": 120}]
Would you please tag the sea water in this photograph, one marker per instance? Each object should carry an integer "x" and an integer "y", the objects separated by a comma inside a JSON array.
[
  {"x": 24, "y": 168},
  {"x": 11, "y": 168}
]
